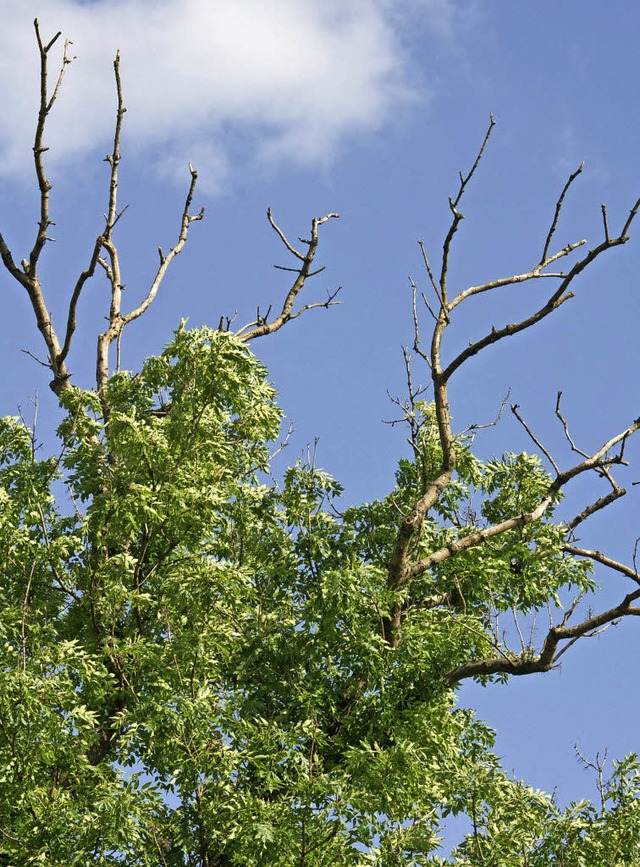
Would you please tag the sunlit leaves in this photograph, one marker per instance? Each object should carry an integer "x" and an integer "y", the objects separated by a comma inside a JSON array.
[{"x": 192, "y": 657}]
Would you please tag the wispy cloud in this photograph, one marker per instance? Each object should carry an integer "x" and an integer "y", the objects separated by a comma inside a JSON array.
[{"x": 288, "y": 80}]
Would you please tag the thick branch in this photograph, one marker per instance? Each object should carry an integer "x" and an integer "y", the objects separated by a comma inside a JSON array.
[
  {"x": 27, "y": 275},
  {"x": 46, "y": 104},
  {"x": 596, "y": 460},
  {"x": 550, "y": 652}
]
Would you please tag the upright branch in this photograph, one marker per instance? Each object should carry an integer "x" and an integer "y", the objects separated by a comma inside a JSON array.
[
  {"x": 261, "y": 326},
  {"x": 111, "y": 262},
  {"x": 405, "y": 566},
  {"x": 556, "y": 215},
  {"x": 46, "y": 104},
  {"x": 457, "y": 216},
  {"x": 26, "y": 274},
  {"x": 411, "y": 526},
  {"x": 104, "y": 251}
]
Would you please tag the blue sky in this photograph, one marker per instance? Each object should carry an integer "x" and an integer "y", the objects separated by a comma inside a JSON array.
[{"x": 368, "y": 108}]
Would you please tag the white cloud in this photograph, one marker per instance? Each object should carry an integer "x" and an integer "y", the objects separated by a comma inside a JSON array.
[{"x": 292, "y": 78}]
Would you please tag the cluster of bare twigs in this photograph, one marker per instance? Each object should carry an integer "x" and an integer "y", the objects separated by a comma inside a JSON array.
[
  {"x": 105, "y": 252},
  {"x": 403, "y": 567}
]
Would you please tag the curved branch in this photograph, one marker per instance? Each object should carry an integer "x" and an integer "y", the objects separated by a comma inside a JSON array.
[
  {"x": 559, "y": 297},
  {"x": 550, "y": 652},
  {"x": 599, "y": 557},
  {"x": 536, "y": 273}
]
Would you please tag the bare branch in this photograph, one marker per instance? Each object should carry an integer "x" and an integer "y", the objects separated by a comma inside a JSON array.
[
  {"x": 549, "y": 654},
  {"x": 117, "y": 321},
  {"x": 416, "y": 321},
  {"x": 476, "y": 426},
  {"x": 599, "y": 557},
  {"x": 435, "y": 286},
  {"x": 35, "y": 358},
  {"x": 283, "y": 238},
  {"x": 26, "y": 275},
  {"x": 556, "y": 215},
  {"x": 565, "y": 425},
  {"x": 186, "y": 220},
  {"x": 559, "y": 297},
  {"x": 534, "y": 274},
  {"x": 46, "y": 104},
  {"x": 596, "y": 506},
  {"x": 632, "y": 215},
  {"x": 605, "y": 221},
  {"x": 260, "y": 328},
  {"x": 457, "y": 216},
  {"x": 546, "y": 453},
  {"x": 75, "y": 297}
]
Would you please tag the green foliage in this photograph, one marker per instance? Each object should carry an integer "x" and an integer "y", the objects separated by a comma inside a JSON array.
[{"x": 193, "y": 668}]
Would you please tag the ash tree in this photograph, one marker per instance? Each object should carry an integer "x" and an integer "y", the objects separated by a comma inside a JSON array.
[{"x": 204, "y": 666}]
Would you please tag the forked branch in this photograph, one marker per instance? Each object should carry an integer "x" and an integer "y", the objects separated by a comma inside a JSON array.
[
  {"x": 261, "y": 326},
  {"x": 404, "y": 565},
  {"x": 104, "y": 252}
]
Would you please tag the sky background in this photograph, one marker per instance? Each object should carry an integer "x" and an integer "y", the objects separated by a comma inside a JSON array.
[{"x": 370, "y": 109}]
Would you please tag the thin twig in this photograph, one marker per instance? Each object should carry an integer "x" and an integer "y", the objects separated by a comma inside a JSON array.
[
  {"x": 558, "y": 209},
  {"x": 605, "y": 221},
  {"x": 565, "y": 425},
  {"x": 546, "y": 453},
  {"x": 457, "y": 216}
]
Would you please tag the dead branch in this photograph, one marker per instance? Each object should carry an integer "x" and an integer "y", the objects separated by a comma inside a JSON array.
[
  {"x": 515, "y": 410},
  {"x": 261, "y": 326},
  {"x": 402, "y": 567},
  {"x": 435, "y": 286},
  {"x": 46, "y": 104},
  {"x": 534, "y": 274},
  {"x": 565, "y": 426},
  {"x": 27, "y": 274},
  {"x": 596, "y": 506},
  {"x": 117, "y": 321},
  {"x": 476, "y": 426},
  {"x": 556, "y": 216},
  {"x": 457, "y": 216}
]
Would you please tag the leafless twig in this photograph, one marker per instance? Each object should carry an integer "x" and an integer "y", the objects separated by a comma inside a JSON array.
[{"x": 261, "y": 326}]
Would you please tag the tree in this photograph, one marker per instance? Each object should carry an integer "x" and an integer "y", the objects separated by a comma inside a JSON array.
[{"x": 202, "y": 665}]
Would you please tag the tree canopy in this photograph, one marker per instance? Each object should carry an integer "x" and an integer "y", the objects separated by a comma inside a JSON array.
[{"x": 205, "y": 661}]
